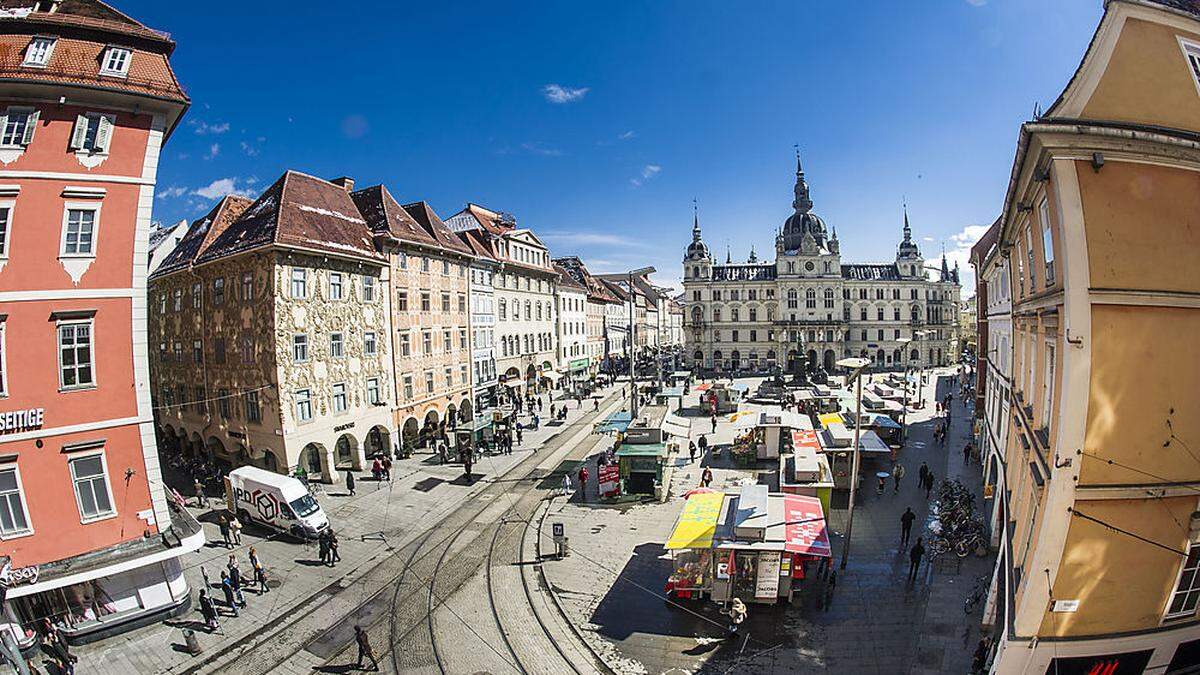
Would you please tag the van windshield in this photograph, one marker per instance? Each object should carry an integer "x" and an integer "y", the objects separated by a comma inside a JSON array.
[{"x": 305, "y": 506}]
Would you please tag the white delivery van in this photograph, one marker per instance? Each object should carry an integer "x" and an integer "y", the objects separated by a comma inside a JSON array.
[{"x": 279, "y": 502}]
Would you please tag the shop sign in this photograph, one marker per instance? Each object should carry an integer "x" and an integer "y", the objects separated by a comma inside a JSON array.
[
  {"x": 578, "y": 364},
  {"x": 785, "y": 566},
  {"x": 15, "y": 421},
  {"x": 1129, "y": 663},
  {"x": 609, "y": 476},
  {"x": 1067, "y": 606},
  {"x": 15, "y": 576},
  {"x": 343, "y": 427},
  {"x": 766, "y": 584}
]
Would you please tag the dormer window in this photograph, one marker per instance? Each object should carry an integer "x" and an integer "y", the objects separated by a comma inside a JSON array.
[
  {"x": 116, "y": 62},
  {"x": 37, "y": 54}
]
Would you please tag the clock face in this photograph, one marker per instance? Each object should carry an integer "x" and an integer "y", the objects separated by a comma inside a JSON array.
[{"x": 809, "y": 266}]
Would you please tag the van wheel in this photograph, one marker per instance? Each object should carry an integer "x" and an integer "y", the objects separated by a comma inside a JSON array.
[{"x": 244, "y": 516}]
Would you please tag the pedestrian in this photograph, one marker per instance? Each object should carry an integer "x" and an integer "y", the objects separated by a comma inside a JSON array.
[
  {"x": 595, "y": 404},
  {"x": 204, "y": 574},
  {"x": 467, "y": 467},
  {"x": 201, "y": 500},
  {"x": 227, "y": 589},
  {"x": 552, "y": 413},
  {"x": 260, "y": 578},
  {"x": 897, "y": 474},
  {"x": 921, "y": 475},
  {"x": 714, "y": 423},
  {"x": 350, "y": 482},
  {"x": 707, "y": 477},
  {"x": 364, "y": 649},
  {"x": 979, "y": 659},
  {"x": 691, "y": 451},
  {"x": 914, "y": 557},
  {"x": 377, "y": 470},
  {"x": 387, "y": 468},
  {"x": 583, "y": 481},
  {"x": 62, "y": 652},
  {"x": 223, "y": 524},
  {"x": 566, "y": 485},
  {"x": 520, "y": 440},
  {"x": 323, "y": 547},
  {"x": 539, "y": 404},
  {"x": 967, "y": 453},
  {"x": 928, "y": 483},
  {"x": 236, "y": 579},
  {"x": 235, "y": 529},
  {"x": 703, "y": 445},
  {"x": 334, "y": 558},
  {"x": 830, "y": 584},
  {"x": 906, "y": 521},
  {"x": 208, "y": 611}
]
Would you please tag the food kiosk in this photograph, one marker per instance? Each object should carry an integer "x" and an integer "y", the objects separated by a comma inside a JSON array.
[
  {"x": 752, "y": 545},
  {"x": 806, "y": 471},
  {"x": 765, "y": 435},
  {"x": 641, "y": 466},
  {"x": 717, "y": 399}
]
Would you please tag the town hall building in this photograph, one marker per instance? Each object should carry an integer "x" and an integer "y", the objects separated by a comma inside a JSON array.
[{"x": 758, "y": 316}]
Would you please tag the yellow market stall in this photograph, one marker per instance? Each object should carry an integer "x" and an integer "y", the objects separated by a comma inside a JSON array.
[{"x": 691, "y": 544}]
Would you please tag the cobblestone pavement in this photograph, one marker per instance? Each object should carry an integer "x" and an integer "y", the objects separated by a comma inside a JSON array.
[
  {"x": 377, "y": 527},
  {"x": 611, "y": 584}
]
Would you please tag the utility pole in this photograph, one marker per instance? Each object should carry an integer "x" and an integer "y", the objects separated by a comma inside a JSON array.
[
  {"x": 632, "y": 355},
  {"x": 857, "y": 364}
]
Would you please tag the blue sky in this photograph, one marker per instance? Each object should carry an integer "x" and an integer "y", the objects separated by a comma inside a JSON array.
[{"x": 596, "y": 125}]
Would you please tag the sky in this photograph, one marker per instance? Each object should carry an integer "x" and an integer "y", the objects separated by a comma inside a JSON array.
[{"x": 598, "y": 124}]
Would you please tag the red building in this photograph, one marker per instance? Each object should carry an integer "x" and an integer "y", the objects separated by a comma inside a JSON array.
[{"x": 87, "y": 98}]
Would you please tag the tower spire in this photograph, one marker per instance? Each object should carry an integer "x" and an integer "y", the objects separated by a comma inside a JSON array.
[
  {"x": 907, "y": 229},
  {"x": 695, "y": 220},
  {"x": 945, "y": 267},
  {"x": 802, "y": 203}
]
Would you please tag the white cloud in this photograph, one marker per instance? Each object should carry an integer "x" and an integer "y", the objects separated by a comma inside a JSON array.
[
  {"x": 540, "y": 148},
  {"x": 250, "y": 150},
  {"x": 960, "y": 252},
  {"x": 977, "y": 3},
  {"x": 588, "y": 238},
  {"x": 627, "y": 135},
  {"x": 926, "y": 238},
  {"x": 969, "y": 235},
  {"x": 201, "y": 127},
  {"x": 649, "y": 171},
  {"x": 556, "y": 93},
  {"x": 213, "y": 151},
  {"x": 172, "y": 192},
  {"x": 221, "y": 187}
]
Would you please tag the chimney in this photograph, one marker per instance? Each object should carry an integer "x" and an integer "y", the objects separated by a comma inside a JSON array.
[{"x": 346, "y": 182}]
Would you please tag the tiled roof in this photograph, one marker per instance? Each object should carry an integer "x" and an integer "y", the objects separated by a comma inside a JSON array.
[
  {"x": 384, "y": 215},
  {"x": 871, "y": 272},
  {"x": 568, "y": 280},
  {"x": 298, "y": 211},
  {"x": 435, "y": 228},
  {"x": 1189, "y": 6},
  {"x": 480, "y": 244},
  {"x": 597, "y": 290},
  {"x": 492, "y": 221},
  {"x": 201, "y": 233}
]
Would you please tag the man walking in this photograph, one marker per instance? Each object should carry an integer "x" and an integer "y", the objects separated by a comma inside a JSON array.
[
  {"x": 227, "y": 590},
  {"x": 922, "y": 474},
  {"x": 928, "y": 484},
  {"x": 703, "y": 445},
  {"x": 223, "y": 524},
  {"x": 714, "y": 423},
  {"x": 707, "y": 477},
  {"x": 967, "y": 454},
  {"x": 914, "y": 557},
  {"x": 201, "y": 500},
  {"x": 323, "y": 547},
  {"x": 208, "y": 611},
  {"x": 520, "y": 435},
  {"x": 691, "y": 451},
  {"x": 906, "y": 521},
  {"x": 349, "y": 482},
  {"x": 566, "y": 485},
  {"x": 235, "y": 580},
  {"x": 364, "y": 649},
  {"x": 897, "y": 474},
  {"x": 334, "y": 558},
  {"x": 583, "y": 481}
]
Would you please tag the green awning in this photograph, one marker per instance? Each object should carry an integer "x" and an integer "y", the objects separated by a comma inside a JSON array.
[{"x": 642, "y": 450}]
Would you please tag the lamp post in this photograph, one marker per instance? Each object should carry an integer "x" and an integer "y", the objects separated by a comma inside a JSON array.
[
  {"x": 632, "y": 352},
  {"x": 855, "y": 365},
  {"x": 904, "y": 342}
]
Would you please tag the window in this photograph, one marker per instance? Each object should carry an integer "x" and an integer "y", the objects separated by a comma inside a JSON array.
[
  {"x": 792, "y": 302},
  {"x": 299, "y": 348},
  {"x": 503, "y": 309},
  {"x": 462, "y": 303},
  {"x": 810, "y": 299},
  {"x": 462, "y": 338},
  {"x": 368, "y": 288},
  {"x": 462, "y": 373},
  {"x": 247, "y": 286},
  {"x": 197, "y": 352},
  {"x": 335, "y": 346},
  {"x": 299, "y": 283},
  {"x": 18, "y": 126},
  {"x": 75, "y": 355},
  {"x": 445, "y": 302},
  {"x": 3, "y": 368},
  {"x": 79, "y": 232},
  {"x": 38, "y": 52},
  {"x": 253, "y": 412},
  {"x": 429, "y": 381},
  {"x": 335, "y": 285},
  {"x": 426, "y": 302},
  {"x": 1048, "y": 399},
  {"x": 1029, "y": 253},
  {"x": 196, "y": 295},
  {"x": 405, "y": 344},
  {"x": 13, "y": 521},
  {"x": 408, "y": 387},
  {"x": 1193, "y": 56},
  {"x": 1047, "y": 241},
  {"x": 219, "y": 350},
  {"x": 369, "y": 344},
  {"x": 424, "y": 264},
  {"x": 303, "y": 405},
  {"x": 446, "y": 267},
  {"x": 218, "y": 291},
  {"x": 402, "y": 301},
  {"x": 177, "y": 302},
  {"x": 223, "y": 403},
  {"x": 247, "y": 350},
  {"x": 449, "y": 376},
  {"x": 402, "y": 260},
  {"x": 373, "y": 390},
  {"x": 447, "y": 343},
  {"x": 116, "y": 62},
  {"x": 1187, "y": 587},
  {"x": 339, "y": 398},
  {"x": 427, "y": 342},
  {"x": 828, "y": 298},
  {"x": 91, "y": 487},
  {"x": 93, "y": 132}
]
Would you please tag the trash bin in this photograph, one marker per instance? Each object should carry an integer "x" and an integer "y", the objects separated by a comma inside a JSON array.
[{"x": 193, "y": 645}]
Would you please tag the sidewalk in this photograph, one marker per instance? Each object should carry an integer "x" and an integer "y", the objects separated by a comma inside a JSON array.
[{"x": 380, "y": 517}]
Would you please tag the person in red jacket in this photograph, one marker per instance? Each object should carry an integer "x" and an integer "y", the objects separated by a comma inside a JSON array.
[{"x": 583, "y": 478}]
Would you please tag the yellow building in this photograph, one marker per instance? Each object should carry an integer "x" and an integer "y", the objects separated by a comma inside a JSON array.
[{"x": 1100, "y": 477}]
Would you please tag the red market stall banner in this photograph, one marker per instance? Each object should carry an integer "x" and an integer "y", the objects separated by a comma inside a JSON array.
[
  {"x": 804, "y": 526},
  {"x": 609, "y": 477},
  {"x": 805, "y": 438}
]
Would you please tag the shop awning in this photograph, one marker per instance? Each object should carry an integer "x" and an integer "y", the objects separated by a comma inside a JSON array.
[
  {"x": 551, "y": 375},
  {"x": 677, "y": 392},
  {"x": 617, "y": 422},
  {"x": 869, "y": 441},
  {"x": 514, "y": 384},
  {"x": 804, "y": 526},
  {"x": 697, "y": 522},
  {"x": 805, "y": 439},
  {"x": 642, "y": 450},
  {"x": 677, "y": 426},
  {"x": 703, "y": 386},
  {"x": 884, "y": 422},
  {"x": 830, "y": 418}
]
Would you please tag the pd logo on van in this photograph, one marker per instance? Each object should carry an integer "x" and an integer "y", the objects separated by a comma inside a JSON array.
[{"x": 264, "y": 502}]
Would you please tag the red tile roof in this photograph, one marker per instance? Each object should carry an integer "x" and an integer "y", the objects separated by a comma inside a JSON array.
[
  {"x": 480, "y": 243},
  {"x": 201, "y": 233},
  {"x": 423, "y": 214},
  {"x": 384, "y": 215}
]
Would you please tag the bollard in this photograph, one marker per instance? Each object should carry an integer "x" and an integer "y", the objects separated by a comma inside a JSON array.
[
  {"x": 565, "y": 545},
  {"x": 193, "y": 645}
]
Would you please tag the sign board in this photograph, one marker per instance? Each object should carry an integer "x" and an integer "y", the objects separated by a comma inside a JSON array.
[
  {"x": 766, "y": 584},
  {"x": 804, "y": 526},
  {"x": 785, "y": 567},
  {"x": 610, "y": 480},
  {"x": 15, "y": 421},
  {"x": 558, "y": 531},
  {"x": 1129, "y": 663},
  {"x": 1066, "y": 606}
]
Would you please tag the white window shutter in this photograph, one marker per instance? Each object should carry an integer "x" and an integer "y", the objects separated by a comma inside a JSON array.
[
  {"x": 104, "y": 133},
  {"x": 30, "y": 127},
  {"x": 79, "y": 136},
  {"x": 4, "y": 121}
]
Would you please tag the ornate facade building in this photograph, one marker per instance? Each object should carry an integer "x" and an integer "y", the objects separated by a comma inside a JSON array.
[{"x": 807, "y": 304}]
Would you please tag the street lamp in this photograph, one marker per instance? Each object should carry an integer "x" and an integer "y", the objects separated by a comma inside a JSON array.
[
  {"x": 904, "y": 342},
  {"x": 632, "y": 354},
  {"x": 855, "y": 365}
]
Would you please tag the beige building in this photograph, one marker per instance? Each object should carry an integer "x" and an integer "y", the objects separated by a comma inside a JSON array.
[
  {"x": 526, "y": 325},
  {"x": 600, "y": 303},
  {"x": 270, "y": 320},
  {"x": 1099, "y": 481},
  {"x": 429, "y": 315}
]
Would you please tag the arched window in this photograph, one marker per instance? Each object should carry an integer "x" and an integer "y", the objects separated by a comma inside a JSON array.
[
  {"x": 791, "y": 267},
  {"x": 862, "y": 313},
  {"x": 716, "y": 313},
  {"x": 896, "y": 313},
  {"x": 828, "y": 298},
  {"x": 697, "y": 315},
  {"x": 528, "y": 310},
  {"x": 810, "y": 299},
  {"x": 791, "y": 298},
  {"x": 879, "y": 314},
  {"x": 733, "y": 314}
]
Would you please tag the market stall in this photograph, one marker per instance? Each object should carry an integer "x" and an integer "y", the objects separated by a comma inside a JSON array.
[
  {"x": 718, "y": 399},
  {"x": 806, "y": 471},
  {"x": 691, "y": 544},
  {"x": 764, "y": 435},
  {"x": 641, "y": 466}
]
